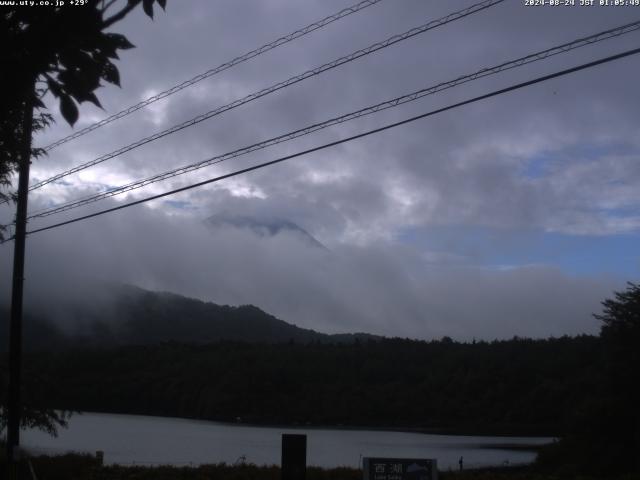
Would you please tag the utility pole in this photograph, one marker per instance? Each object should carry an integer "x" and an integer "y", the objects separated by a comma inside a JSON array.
[{"x": 15, "y": 326}]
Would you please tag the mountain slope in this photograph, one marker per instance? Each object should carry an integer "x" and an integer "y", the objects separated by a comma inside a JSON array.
[{"x": 135, "y": 316}]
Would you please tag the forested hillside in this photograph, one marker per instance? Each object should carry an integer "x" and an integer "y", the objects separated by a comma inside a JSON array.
[
  {"x": 126, "y": 315},
  {"x": 516, "y": 386}
]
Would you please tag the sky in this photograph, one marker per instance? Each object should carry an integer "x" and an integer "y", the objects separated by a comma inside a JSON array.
[{"x": 512, "y": 216}]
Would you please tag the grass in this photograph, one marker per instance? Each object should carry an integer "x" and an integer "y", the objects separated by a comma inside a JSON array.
[{"x": 86, "y": 467}]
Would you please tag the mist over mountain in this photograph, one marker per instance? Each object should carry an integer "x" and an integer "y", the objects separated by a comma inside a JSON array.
[
  {"x": 129, "y": 315},
  {"x": 383, "y": 288}
]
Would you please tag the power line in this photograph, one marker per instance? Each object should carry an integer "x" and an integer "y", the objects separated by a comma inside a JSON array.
[
  {"x": 220, "y": 68},
  {"x": 348, "y": 139},
  {"x": 534, "y": 57},
  {"x": 278, "y": 86}
]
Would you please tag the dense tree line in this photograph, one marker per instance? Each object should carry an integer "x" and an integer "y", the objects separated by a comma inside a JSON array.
[{"x": 516, "y": 386}]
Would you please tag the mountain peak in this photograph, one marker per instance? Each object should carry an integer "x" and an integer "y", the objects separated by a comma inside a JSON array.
[{"x": 262, "y": 226}]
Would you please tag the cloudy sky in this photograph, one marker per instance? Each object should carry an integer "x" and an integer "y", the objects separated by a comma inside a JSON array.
[{"x": 512, "y": 216}]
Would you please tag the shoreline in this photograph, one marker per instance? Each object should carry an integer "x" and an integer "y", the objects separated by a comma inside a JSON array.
[{"x": 457, "y": 431}]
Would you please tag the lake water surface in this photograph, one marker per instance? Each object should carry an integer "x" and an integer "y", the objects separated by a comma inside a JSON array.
[{"x": 133, "y": 439}]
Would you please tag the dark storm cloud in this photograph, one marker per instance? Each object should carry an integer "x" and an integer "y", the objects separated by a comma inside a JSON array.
[
  {"x": 516, "y": 126},
  {"x": 479, "y": 165}
]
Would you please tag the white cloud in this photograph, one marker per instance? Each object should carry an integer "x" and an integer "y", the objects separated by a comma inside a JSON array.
[{"x": 464, "y": 167}]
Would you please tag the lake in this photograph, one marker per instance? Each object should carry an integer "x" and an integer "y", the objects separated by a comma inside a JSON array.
[{"x": 142, "y": 440}]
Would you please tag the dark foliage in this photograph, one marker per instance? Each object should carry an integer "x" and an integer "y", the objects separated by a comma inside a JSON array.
[
  {"x": 522, "y": 386},
  {"x": 606, "y": 434},
  {"x": 62, "y": 50},
  {"x": 83, "y": 467},
  {"x": 62, "y": 467}
]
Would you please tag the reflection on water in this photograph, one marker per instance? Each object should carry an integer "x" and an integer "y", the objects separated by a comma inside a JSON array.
[{"x": 132, "y": 439}]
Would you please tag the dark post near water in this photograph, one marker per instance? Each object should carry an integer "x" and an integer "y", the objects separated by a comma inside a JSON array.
[
  {"x": 294, "y": 457},
  {"x": 15, "y": 324}
]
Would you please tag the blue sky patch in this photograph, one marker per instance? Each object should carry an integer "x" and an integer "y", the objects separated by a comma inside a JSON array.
[
  {"x": 543, "y": 163},
  {"x": 616, "y": 255}
]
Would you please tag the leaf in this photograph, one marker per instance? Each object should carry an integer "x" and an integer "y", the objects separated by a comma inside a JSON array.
[
  {"x": 38, "y": 152},
  {"x": 118, "y": 41},
  {"x": 88, "y": 97},
  {"x": 104, "y": 53},
  {"x": 91, "y": 97},
  {"x": 78, "y": 80},
  {"x": 68, "y": 109},
  {"x": 73, "y": 58},
  {"x": 54, "y": 87},
  {"x": 163, "y": 4},
  {"x": 110, "y": 73},
  {"x": 147, "y": 6}
]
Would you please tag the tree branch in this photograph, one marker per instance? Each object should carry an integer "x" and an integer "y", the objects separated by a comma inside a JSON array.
[{"x": 107, "y": 6}]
